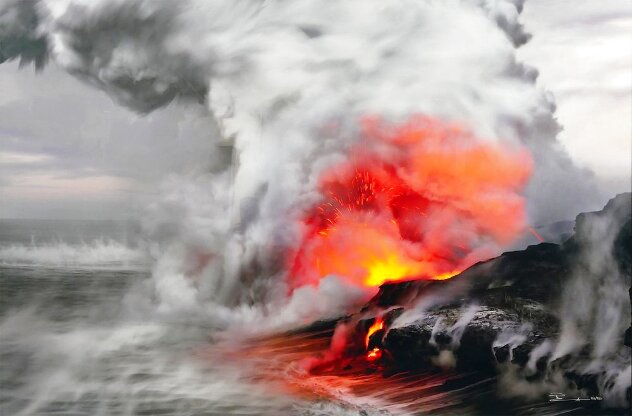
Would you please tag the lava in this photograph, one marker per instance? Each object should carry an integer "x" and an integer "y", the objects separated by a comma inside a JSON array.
[
  {"x": 379, "y": 324},
  {"x": 423, "y": 199},
  {"x": 374, "y": 353}
]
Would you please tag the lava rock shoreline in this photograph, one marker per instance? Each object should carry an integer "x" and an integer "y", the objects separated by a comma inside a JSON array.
[
  {"x": 514, "y": 302},
  {"x": 497, "y": 314}
]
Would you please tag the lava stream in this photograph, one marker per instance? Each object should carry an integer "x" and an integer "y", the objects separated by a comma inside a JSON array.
[{"x": 375, "y": 353}]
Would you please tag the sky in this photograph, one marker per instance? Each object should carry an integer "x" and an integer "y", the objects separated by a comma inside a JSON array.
[
  {"x": 583, "y": 50},
  {"x": 68, "y": 151},
  {"x": 103, "y": 166}
]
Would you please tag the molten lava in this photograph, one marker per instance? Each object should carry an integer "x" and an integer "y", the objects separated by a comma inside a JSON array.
[
  {"x": 420, "y": 200},
  {"x": 374, "y": 353}
]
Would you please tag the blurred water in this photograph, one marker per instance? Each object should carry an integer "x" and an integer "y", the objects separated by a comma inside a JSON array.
[
  {"x": 75, "y": 338},
  {"x": 41, "y": 231},
  {"x": 79, "y": 336},
  {"x": 72, "y": 244}
]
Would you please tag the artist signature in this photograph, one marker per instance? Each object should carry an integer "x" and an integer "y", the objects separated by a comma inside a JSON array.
[{"x": 561, "y": 397}]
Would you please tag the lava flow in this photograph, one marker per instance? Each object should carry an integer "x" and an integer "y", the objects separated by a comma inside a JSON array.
[
  {"x": 374, "y": 353},
  {"x": 420, "y": 200}
]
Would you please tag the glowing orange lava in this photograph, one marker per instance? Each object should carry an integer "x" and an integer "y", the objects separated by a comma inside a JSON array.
[
  {"x": 374, "y": 353},
  {"x": 379, "y": 324},
  {"x": 419, "y": 200}
]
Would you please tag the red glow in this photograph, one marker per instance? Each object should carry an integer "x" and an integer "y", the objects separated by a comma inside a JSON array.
[
  {"x": 422, "y": 200},
  {"x": 374, "y": 355}
]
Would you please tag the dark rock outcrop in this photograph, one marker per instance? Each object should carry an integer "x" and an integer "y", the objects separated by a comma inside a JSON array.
[
  {"x": 623, "y": 254},
  {"x": 536, "y": 273},
  {"x": 627, "y": 339},
  {"x": 474, "y": 344},
  {"x": 513, "y": 289}
]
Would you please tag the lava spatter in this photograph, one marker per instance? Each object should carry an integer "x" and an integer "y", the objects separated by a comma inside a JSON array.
[{"x": 419, "y": 200}]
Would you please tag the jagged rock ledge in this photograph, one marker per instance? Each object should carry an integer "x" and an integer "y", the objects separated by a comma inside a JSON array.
[{"x": 517, "y": 294}]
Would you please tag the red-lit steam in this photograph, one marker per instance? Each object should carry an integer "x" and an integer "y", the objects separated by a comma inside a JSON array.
[{"x": 423, "y": 199}]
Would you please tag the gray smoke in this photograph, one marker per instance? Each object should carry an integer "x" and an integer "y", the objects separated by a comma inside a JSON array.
[{"x": 19, "y": 33}]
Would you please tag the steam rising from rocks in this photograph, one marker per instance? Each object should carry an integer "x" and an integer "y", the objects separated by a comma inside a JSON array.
[
  {"x": 595, "y": 309},
  {"x": 594, "y": 313}
]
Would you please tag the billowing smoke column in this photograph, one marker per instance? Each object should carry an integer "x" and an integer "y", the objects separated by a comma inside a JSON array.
[
  {"x": 287, "y": 84},
  {"x": 423, "y": 199}
]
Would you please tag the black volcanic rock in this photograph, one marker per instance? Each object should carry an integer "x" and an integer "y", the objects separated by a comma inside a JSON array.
[
  {"x": 627, "y": 339},
  {"x": 623, "y": 254},
  {"x": 418, "y": 344},
  {"x": 623, "y": 248},
  {"x": 511, "y": 290},
  {"x": 536, "y": 273}
]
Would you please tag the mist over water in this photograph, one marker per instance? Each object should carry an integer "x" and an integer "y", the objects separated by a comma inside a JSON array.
[
  {"x": 72, "y": 244},
  {"x": 81, "y": 337}
]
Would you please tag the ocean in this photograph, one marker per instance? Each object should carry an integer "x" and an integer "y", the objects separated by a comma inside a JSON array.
[{"x": 80, "y": 334}]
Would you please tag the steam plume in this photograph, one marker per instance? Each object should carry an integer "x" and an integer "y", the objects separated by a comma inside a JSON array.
[{"x": 286, "y": 83}]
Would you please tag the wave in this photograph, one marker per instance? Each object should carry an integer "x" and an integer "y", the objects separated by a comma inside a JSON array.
[{"x": 100, "y": 253}]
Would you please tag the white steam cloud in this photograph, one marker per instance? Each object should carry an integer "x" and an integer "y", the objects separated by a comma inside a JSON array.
[
  {"x": 595, "y": 307},
  {"x": 286, "y": 83}
]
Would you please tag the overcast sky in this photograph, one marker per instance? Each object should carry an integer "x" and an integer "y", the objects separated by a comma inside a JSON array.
[{"x": 68, "y": 151}]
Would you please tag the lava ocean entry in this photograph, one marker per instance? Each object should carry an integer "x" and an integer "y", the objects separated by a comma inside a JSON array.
[{"x": 423, "y": 199}]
